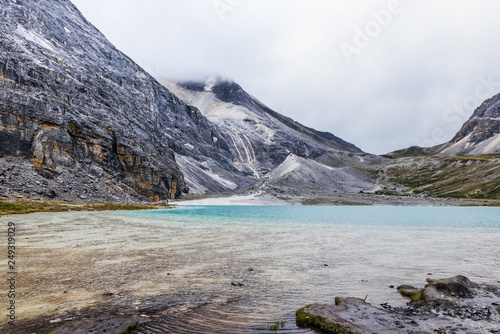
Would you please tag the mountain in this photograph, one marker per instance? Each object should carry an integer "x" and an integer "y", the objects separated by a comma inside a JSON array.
[
  {"x": 480, "y": 134},
  {"x": 73, "y": 105},
  {"x": 262, "y": 141},
  {"x": 475, "y": 177},
  {"x": 79, "y": 120},
  {"x": 464, "y": 167},
  {"x": 300, "y": 173}
]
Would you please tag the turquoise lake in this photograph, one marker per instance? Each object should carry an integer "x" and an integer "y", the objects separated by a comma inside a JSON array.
[
  {"x": 361, "y": 216},
  {"x": 289, "y": 256}
]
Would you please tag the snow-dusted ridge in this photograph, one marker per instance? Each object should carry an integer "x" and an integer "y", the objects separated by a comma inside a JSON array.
[
  {"x": 480, "y": 134},
  {"x": 264, "y": 144}
]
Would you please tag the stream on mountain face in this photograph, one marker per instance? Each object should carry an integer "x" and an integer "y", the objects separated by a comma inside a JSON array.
[{"x": 232, "y": 269}]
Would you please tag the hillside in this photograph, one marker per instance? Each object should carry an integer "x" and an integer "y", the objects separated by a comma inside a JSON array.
[{"x": 470, "y": 176}]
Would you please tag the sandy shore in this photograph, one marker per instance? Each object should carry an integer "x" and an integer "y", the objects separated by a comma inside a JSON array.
[
  {"x": 332, "y": 199},
  {"x": 252, "y": 199}
]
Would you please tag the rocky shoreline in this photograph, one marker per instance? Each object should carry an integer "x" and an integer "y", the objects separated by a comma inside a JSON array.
[
  {"x": 447, "y": 306},
  {"x": 21, "y": 179}
]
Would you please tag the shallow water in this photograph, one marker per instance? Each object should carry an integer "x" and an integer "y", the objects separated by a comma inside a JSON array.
[{"x": 183, "y": 261}]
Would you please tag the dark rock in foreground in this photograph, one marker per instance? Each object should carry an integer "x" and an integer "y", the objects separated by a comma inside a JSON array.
[{"x": 453, "y": 305}]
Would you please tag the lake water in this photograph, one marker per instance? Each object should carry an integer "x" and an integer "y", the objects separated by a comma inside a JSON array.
[
  {"x": 238, "y": 269},
  {"x": 289, "y": 256}
]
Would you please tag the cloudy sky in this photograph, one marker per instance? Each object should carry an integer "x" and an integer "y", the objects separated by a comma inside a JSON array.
[{"x": 381, "y": 74}]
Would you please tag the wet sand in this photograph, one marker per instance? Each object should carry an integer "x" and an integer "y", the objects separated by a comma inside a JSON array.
[{"x": 75, "y": 267}]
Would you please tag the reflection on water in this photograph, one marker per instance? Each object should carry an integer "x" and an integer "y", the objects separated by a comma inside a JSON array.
[{"x": 240, "y": 269}]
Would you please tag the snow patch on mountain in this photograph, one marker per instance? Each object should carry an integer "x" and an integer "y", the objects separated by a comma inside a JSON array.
[{"x": 210, "y": 106}]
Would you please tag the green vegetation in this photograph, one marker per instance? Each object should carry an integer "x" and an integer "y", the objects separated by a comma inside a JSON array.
[
  {"x": 277, "y": 326},
  {"x": 498, "y": 310},
  {"x": 373, "y": 173},
  {"x": 130, "y": 328},
  {"x": 305, "y": 319},
  {"x": 8, "y": 206},
  {"x": 409, "y": 292},
  {"x": 15, "y": 207},
  {"x": 472, "y": 177},
  {"x": 388, "y": 193},
  {"x": 338, "y": 301}
]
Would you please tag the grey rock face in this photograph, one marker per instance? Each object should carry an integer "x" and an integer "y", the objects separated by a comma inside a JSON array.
[
  {"x": 70, "y": 99},
  {"x": 20, "y": 178}
]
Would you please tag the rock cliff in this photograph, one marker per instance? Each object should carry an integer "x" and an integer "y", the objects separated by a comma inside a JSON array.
[{"x": 69, "y": 100}]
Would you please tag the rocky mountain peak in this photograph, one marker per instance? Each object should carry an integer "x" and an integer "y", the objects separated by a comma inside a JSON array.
[
  {"x": 72, "y": 104},
  {"x": 224, "y": 90},
  {"x": 480, "y": 134},
  {"x": 260, "y": 140}
]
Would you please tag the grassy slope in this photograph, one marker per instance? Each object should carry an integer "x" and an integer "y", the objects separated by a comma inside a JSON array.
[{"x": 476, "y": 177}]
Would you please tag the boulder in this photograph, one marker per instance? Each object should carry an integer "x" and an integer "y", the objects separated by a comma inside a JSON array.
[{"x": 452, "y": 305}]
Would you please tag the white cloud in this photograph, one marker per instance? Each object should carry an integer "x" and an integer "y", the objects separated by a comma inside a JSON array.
[{"x": 393, "y": 94}]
